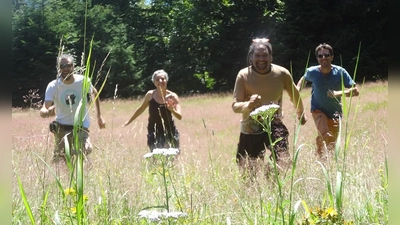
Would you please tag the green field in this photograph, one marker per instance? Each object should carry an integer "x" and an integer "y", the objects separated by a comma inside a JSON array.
[{"x": 204, "y": 181}]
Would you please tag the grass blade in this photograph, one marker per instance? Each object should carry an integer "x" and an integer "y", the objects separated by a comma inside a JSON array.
[
  {"x": 26, "y": 203},
  {"x": 328, "y": 184}
]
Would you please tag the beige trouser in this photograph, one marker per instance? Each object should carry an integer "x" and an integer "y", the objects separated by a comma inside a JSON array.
[
  {"x": 83, "y": 139},
  {"x": 328, "y": 131}
]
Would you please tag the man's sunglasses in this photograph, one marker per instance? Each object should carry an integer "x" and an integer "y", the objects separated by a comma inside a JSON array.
[
  {"x": 63, "y": 66},
  {"x": 324, "y": 55}
]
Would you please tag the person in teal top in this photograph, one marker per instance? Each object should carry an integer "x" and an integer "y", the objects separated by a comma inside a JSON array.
[
  {"x": 323, "y": 84},
  {"x": 326, "y": 108}
]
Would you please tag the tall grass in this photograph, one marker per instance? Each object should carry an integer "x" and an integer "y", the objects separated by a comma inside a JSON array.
[
  {"x": 207, "y": 184},
  {"x": 74, "y": 164}
]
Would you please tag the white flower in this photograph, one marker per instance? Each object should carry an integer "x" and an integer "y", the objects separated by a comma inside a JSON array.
[
  {"x": 148, "y": 155},
  {"x": 100, "y": 200},
  {"x": 153, "y": 215},
  {"x": 265, "y": 111},
  {"x": 57, "y": 219},
  {"x": 228, "y": 220},
  {"x": 150, "y": 214},
  {"x": 162, "y": 151}
]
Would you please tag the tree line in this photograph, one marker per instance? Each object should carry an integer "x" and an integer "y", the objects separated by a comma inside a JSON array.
[{"x": 202, "y": 44}]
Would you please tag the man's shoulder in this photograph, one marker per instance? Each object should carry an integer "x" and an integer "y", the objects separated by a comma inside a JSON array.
[
  {"x": 312, "y": 71},
  {"x": 337, "y": 68},
  {"x": 78, "y": 77},
  {"x": 278, "y": 67},
  {"x": 244, "y": 70},
  {"x": 313, "y": 68},
  {"x": 280, "y": 70},
  {"x": 54, "y": 82}
]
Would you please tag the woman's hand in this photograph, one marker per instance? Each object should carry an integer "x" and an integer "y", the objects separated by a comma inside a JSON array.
[{"x": 169, "y": 102}]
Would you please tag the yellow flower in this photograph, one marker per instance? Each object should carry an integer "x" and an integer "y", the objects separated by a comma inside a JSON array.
[
  {"x": 331, "y": 212},
  {"x": 85, "y": 198},
  {"x": 70, "y": 191},
  {"x": 73, "y": 209}
]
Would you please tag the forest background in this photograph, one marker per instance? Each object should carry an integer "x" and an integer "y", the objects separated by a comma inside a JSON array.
[{"x": 202, "y": 44}]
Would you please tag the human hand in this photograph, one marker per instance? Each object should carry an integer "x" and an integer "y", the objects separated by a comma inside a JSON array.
[
  {"x": 101, "y": 122},
  {"x": 331, "y": 94},
  {"x": 169, "y": 102},
  {"x": 44, "y": 112},
  {"x": 354, "y": 92},
  {"x": 254, "y": 102}
]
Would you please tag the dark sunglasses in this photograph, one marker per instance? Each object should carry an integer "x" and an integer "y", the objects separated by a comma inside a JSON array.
[
  {"x": 324, "y": 55},
  {"x": 63, "y": 66}
]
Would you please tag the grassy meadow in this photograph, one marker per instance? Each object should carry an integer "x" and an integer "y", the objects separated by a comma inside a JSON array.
[{"x": 204, "y": 182}]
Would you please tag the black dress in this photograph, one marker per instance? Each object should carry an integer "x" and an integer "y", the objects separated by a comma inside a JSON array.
[{"x": 162, "y": 132}]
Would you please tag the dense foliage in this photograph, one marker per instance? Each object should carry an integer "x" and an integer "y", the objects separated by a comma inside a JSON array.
[{"x": 202, "y": 44}]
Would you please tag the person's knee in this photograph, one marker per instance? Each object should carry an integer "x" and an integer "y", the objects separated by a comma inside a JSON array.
[{"x": 328, "y": 137}]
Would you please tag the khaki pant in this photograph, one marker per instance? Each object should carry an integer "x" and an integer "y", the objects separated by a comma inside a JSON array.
[
  {"x": 83, "y": 142},
  {"x": 328, "y": 131}
]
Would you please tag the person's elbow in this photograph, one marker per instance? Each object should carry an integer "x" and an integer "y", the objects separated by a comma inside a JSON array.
[{"x": 236, "y": 107}]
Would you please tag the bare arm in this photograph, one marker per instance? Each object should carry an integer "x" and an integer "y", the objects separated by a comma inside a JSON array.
[
  {"x": 140, "y": 109},
  {"x": 100, "y": 121},
  {"x": 295, "y": 98},
  {"x": 349, "y": 92},
  {"x": 302, "y": 82},
  {"x": 173, "y": 105}
]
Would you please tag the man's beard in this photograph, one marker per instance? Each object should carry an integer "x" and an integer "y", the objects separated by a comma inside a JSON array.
[{"x": 66, "y": 76}]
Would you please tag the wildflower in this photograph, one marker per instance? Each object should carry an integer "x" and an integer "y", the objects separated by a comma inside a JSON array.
[
  {"x": 57, "y": 219},
  {"x": 85, "y": 198},
  {"x": 228, "y": 220},
  {"x": 162, "y": 151},
  {"x": 153, "y": 215},
  {"x": 70, "y": 191},
  {"x": 265, "y": 111},
  {"x": 331, "y": 212},
  {"x": 149, "y": 214},
  {"x": 264, "y": 115},
  {"x": 73, "y": 209}
]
